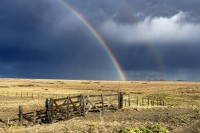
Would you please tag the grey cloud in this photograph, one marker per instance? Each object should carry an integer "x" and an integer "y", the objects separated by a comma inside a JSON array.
[{"x": 157, "y": 30}]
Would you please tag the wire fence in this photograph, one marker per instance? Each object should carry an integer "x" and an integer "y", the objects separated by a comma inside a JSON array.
[{"x": 33, "y": 95}]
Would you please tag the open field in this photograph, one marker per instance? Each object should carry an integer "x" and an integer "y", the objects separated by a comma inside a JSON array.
[{"x": 182, "y": 113}]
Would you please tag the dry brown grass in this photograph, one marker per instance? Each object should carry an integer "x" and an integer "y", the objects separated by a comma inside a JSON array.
[{"x": 177, "y": 94}]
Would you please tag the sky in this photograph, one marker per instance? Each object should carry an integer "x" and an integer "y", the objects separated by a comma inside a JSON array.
[{"x": 150, "y": 39}]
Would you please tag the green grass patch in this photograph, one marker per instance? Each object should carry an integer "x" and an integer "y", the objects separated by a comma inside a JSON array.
[{"x": 157, "y": 128}]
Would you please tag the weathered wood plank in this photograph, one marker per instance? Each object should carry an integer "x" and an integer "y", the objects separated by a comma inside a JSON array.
[
  {"x": 83, "y": 104},
  {"x": 20, "y": 115}
]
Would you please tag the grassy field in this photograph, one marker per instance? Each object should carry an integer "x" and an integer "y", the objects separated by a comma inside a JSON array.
[{"x": 180, "y": 115}]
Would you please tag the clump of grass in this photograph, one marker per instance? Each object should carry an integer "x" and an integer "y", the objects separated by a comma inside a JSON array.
[
  {"x": 14, "y": 127},
  {"x": 4, "y": 86},
  {"x": 29, "y": 85},
  {"x": 144, "y": 83},
  {"x": 85, "y": 82},
  {"x": 157, "y": 128}
]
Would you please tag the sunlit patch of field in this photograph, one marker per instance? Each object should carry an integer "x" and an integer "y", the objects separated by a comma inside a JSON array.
[{"x": 185, "y": 95}]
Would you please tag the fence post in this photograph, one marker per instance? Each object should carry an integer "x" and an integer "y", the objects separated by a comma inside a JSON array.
[
  {"x": 102, "y": 100},
  {"x": 148, "y": 101},
  {"x": 153, "y": 101},
  {"x": 35, "y": 117},
  {"x": 120, "y": 100},
  {"x": 137, "y": 101},
  {"x": 129, "y": 100},
  {"x": 49, "y": 109},
  {"x": 142, "y": 101},
  {"x": 20, "y": 115},
  {"x": 68, "y": 106},
  {"x": 163, "y": 103},
  {"x": 83, "y": 104}
]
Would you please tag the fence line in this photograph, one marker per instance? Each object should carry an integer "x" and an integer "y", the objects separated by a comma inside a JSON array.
[
  {"x": 128, "y": 100},
  {"x": 143, "y": 101},
  {"x": 57, "y": 109},
  {"x": 33, "y": 95}
]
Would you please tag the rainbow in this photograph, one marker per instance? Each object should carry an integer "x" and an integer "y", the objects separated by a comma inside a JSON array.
[
  {"x": 149, "y": 44},
  {"x": 98, "y": 37}
]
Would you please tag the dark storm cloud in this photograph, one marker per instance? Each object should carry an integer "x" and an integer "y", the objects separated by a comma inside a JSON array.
[
  {"x": 170, "y": 62},
  {"x": 145, "y": 57},
  {"x": 166, "y": 7},
  {"x": 129, "y": 11},
  {"x": 43, "y": 39}
]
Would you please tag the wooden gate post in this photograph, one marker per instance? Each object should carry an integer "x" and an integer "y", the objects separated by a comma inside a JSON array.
[
  {"x": 120, "y": 100},
  {"x": 20, "y": 115},
  {"x": 49, "y": 110},
  {"x": 83, "y": 104},
  {"x": 102, "y": 101},
  {"x": 68, "y": 98}
]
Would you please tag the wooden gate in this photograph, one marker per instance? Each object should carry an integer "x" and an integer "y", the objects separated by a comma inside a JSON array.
[
  {"x": 100, "y": 103},
  {"x": 65, "y": 108},
  {"x": 80, "y": 105}
]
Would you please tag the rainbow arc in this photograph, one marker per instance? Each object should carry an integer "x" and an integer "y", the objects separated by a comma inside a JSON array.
[{"x": 101, "y": 41}]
